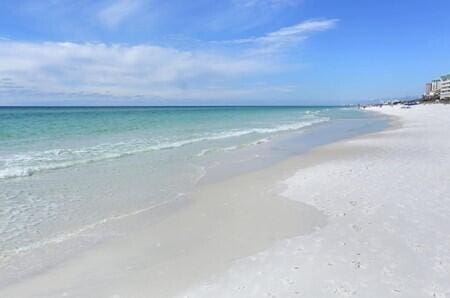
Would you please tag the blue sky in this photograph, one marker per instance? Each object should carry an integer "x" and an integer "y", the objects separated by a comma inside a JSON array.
[{"x": 219, "y": 52}]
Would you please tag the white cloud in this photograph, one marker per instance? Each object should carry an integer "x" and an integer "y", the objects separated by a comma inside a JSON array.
[
  {"x": 117, "y": 11},
  {"x": 267, "y": 3},
  {"x": 116, "y": 70},
  {"x": 108, "y": 71},
  {"x": 293, "y": 33},
  {"x": 301, "y": 29}
]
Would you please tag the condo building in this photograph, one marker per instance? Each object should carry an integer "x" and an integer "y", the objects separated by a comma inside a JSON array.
[
  {"x": 438, "y": 89},
  {"x": 445, "y": 87},
  {"x": 428, "y": 87},
  {"x": 435, "y": 86}
]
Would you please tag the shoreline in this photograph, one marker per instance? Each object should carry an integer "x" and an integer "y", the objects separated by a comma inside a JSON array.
[
  {"x": 283, "y": 147},
  {"x": 53, "y": 252},
  {"x": 387, "y": 220},
  {"x": 288, "y": 210}
]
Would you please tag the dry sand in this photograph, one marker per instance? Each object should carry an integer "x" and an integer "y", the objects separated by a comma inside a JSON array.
[{"x": 388, "y": 210}]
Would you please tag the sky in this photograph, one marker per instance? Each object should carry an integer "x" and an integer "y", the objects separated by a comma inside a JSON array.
[{"x": 212, "y": 52}]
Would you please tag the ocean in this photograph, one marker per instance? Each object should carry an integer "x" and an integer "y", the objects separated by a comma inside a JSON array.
[{"x": 69, "y": 177}]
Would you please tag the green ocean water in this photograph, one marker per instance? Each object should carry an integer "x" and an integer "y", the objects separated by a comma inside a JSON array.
[{"x": 39, "y": 139}]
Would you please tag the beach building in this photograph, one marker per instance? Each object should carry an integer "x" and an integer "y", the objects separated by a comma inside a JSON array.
[
  {"x": 433, "y": 90},
  {"x": 445, "y": 87},
  {"x": 435, "y": 86},
  {"x": 428, "y": 87}
]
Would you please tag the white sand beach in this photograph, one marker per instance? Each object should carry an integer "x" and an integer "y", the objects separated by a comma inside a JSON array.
[
  {"x": 364, "y": 217},
  {"x": 387, "y": 201},
  {"x": 224, "y": 149}
]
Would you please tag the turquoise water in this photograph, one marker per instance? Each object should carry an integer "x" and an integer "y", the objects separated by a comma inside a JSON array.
[
  {"x": 39, "y": 139},
  {"x": 69, "y": 175}
]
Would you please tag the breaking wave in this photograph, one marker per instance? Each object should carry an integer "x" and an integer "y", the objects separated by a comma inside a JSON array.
[{"x": 27, "y": 164}]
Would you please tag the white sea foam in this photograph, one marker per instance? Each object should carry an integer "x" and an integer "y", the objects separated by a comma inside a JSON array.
[
  {"x": 26, "y": 164},
  {"x": 232, "y": 148}
]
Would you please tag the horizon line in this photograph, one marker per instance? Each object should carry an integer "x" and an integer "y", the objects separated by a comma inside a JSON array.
[{"x": 165, "y": 106}]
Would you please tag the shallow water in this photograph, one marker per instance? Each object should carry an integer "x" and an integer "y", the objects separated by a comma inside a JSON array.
[{"x": 68, "y": 174}]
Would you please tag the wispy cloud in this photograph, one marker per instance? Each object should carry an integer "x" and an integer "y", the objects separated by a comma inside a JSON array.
[
  {"x": 209, "y": 70},
  {"x": 267, "y": 3},
  {"x": 116, "y": 70},
  {"x": 118, "y": 11},
  {"x": 293, "y": 33}
]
